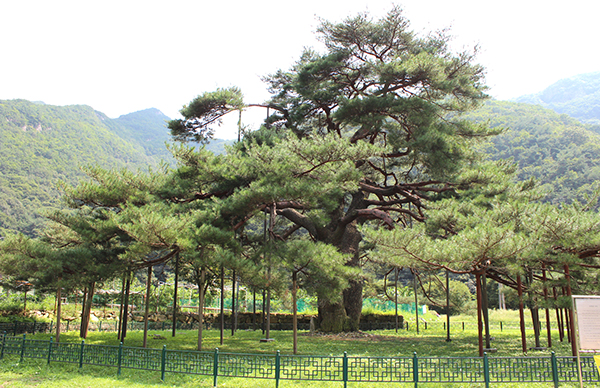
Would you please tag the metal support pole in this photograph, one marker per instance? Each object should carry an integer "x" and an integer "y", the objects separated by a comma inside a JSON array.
[
  {"x": 416, "y": 301},
  {"x": 415, "y": 369},
  {"x": 119, "y": 358},
  {"x": 448, "y": 306},
  {"x": 174, "y": 328},
  {"x": 277, "y": 368},
  {"x": 81, "y": 350},
  {"x": 554, "y": 369},
  {"x": 50, "y": 350},
  {"x": 345, "y": 369},
  {"x": 163, "y": 363},
  {"x": 215, "y": 366}
]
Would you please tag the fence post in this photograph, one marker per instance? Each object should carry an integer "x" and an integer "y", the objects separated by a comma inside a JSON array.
[
  {"x": 100, "y": 326},
  {"x": 277, "y": 368},
  {"x": 3, "y": 342},
  {"x": 486, "y": 370},
  {"x": 50, "y": 350},
  {"x": 119, "y": 358},
  {"x": 463, "y": 326},
  {"x": 500, "y": 325},
  {"x": 81, "y": 353},
  {"x": 51, "y": 323},
  {"x": 554, "y": 369},
  {"x": 33, "y": 330},
  {"x": 163, "y": 363},
  {"x": 15, "y": 329},
  {"x": 215, "y": 367},
  {"x": 415, "y": 369},
  {"x": 345, "y": 369},
  {"x": 67, "y": 326},
  {"x": 23, "y": 348}
]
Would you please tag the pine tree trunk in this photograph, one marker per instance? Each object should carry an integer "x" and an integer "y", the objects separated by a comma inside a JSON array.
[
  {"x": 344, "y": 315},
  {"x": 571, "y": 313},
  {"x": 125, "y": 308},
  {"x": 88, "y": 309},
  {"x": 83, "y": 315},
  {"x": 121, "y": 309},
  {"x": 521, "y": 314},
  {"x": 295, "y": 310},
  {"x": 58, "y": 312},
  {"x": 174, "y": 328},
  {"x": 201, "y": 282},
  {"x": 479, "y": 314},
  {"x": 485, "y": 311},
  {"x": 222, "y": 312},
  {"x": 147, "y": 307},
  {"x": 535, "y": 319},
  {"x": 233, "y": 302}
]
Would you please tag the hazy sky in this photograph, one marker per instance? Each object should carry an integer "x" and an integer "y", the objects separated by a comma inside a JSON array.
[{"x": 127, "y": 55}]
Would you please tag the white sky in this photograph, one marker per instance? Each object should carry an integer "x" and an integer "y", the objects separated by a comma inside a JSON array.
[{"x": 128, "y": 55}]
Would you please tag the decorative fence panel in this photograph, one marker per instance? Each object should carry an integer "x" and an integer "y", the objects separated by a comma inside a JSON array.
[
  {"x": 451, "y": 369},
  {"x": 522, "y": 369},
  {"x": 66, "y": 352},
  {"x": 182, "y": 361},
  {"x": 380, "y": 369},
  {"x": 321, "y": 368},
  {"x": 246, "y": 365},
  {"x": 550, "y": 369},
  {"x": 141, "y": 358},
  {"x": 102, "y": 355}
]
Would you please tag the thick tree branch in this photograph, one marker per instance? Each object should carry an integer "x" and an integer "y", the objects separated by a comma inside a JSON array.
[
  {"x": 369, "y": 214},
  {"x": 299, "y": 219}
]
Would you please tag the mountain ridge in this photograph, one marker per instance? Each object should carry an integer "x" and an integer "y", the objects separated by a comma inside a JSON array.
[
  {"x": 577, "y": 96},
  {"x": 41, "y": 145}
]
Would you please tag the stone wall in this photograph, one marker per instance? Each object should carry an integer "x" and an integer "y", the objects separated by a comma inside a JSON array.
[{"x": 278, "y": 321}]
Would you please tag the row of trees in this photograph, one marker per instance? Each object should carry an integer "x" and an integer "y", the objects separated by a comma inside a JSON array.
[{"x": 364, "y": 158}]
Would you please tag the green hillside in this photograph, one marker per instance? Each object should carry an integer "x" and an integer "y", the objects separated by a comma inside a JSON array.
[
  {"x": 42, "y": 145},
  {"x": 578, "y": 96},
  {"x": 558, "y": 150},
  {"x": 146, "y": 128}
]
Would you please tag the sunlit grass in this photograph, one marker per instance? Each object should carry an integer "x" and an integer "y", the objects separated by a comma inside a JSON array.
[{"x": 428, "y": 342}]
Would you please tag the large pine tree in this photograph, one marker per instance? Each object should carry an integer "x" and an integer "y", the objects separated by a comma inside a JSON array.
[{"x": 378, "y": 111}]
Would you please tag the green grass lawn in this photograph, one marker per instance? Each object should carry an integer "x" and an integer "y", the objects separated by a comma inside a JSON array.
[{"x": 429, "y": 342}]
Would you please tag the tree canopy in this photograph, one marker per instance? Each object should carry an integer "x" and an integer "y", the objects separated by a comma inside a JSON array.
[{"x": 368, "y": 131}]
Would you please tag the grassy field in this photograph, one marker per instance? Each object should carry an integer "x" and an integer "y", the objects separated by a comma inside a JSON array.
[{"x": 430, "y": 342}]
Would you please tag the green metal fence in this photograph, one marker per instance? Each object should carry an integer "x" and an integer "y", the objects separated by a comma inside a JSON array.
[{"x": 344, "y": 369}]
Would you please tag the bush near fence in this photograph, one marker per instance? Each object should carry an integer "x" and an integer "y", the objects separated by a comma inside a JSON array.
[
  {"x": 245, "y": 321},
  {"x": 414, "y": 369}
]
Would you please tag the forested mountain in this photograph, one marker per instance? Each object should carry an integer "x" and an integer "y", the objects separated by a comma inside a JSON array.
[
  {"x": 41, "y": 145},
  {"x": 146, "y": 128},
  {"x": 558, "y": 150},
  {"x": 578, "y": 96}
]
